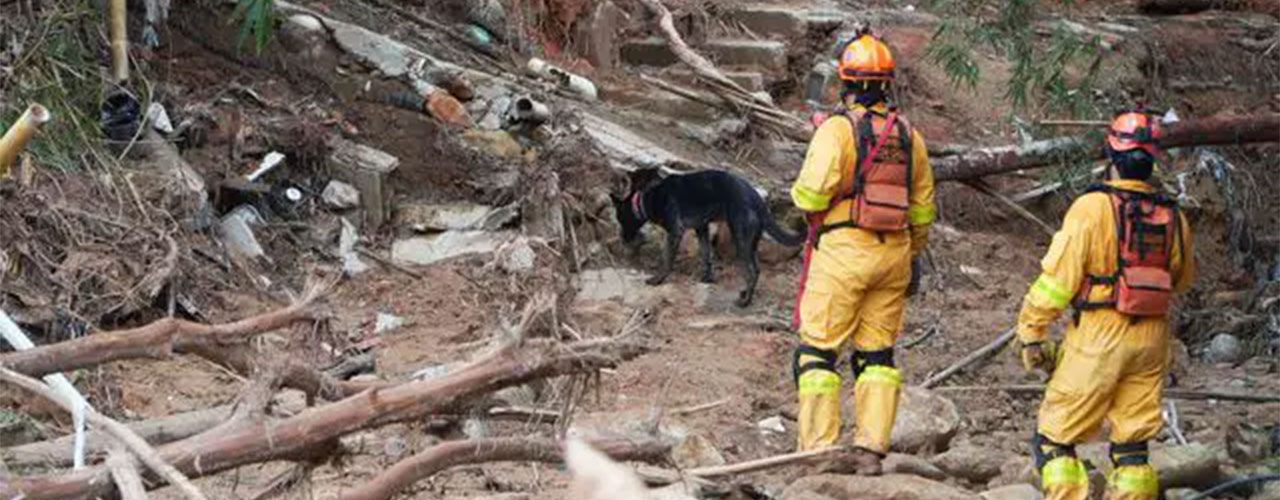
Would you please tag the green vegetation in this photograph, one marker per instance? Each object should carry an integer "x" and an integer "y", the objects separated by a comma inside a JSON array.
[{"x": 257, "y": 19}]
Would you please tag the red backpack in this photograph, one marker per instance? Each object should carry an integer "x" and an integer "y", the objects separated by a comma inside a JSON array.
[{"x": 1147, "y": 225}]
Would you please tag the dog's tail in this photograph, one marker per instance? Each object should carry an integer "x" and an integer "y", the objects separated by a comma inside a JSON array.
[{"x": 779, "y": 234}]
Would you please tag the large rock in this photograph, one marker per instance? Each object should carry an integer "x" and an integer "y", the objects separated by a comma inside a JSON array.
[
  {"x": 1224, "y": 348},
  {"x": 696, "y": 451},
  {"x": 887, "y": 487},
  {"x": 973, "y": 463},
  {"x": 1015, "y": 470},
  {"x": 765, "y": 54},
  {"x": 925, "y": 422},
  {"x": 1193, "y": 466}
]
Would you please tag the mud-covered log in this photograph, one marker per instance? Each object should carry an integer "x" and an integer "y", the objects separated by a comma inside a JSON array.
[
  {"x": 981, "y": 162},
  {"x": 243, "y": 442},
  {"x": 156, "y": 340},
  {"x": 53, "y": 453},
  {"x": 1174, "y": 7},
  {"x": 453, "y": 453}
]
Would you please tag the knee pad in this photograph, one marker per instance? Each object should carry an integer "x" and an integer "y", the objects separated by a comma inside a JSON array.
[
  {"x": 1043, "y": 450},
  {"x": 826, "y": 360},
  {"x": 1123, "y": 454},
  {"x": 860, "y": 360}
]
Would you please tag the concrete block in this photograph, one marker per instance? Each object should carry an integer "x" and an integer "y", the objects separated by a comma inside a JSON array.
[
  {"x": 369, "y": 170},
  {"x": 766, "y": 54},
  {"x": 775, "y": 21},
  {"x": 597, "y": 38}
]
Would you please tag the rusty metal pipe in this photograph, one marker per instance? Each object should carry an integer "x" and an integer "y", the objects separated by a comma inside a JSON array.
[{"x": 19, "y": 133}]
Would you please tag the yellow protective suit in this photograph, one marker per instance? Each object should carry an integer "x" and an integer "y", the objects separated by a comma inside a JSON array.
[
  {"x": 855, "y": 290},
  {"x": 1110, "y": 366}
]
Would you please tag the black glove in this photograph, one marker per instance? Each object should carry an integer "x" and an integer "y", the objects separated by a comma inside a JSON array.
[{"x": 914, "y": 285}]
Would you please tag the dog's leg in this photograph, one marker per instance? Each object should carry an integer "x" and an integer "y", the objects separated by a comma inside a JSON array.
[
  {"x": 704, "y": 247},
  {"x": 747, "y": 242},
  {"x": 674, "y": 235}
]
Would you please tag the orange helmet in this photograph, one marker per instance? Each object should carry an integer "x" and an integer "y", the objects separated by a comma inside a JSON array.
[
  {"x": 866, "y": 58},
  {"x": 1133, "y": 130}
]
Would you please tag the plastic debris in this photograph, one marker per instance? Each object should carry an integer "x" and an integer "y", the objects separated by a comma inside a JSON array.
[
  {"x": 269, "y": 162},
  {"x": 575, "y": 83},
  {"x": 351, "y": 263},
  {"x": 158, "y": 117}
]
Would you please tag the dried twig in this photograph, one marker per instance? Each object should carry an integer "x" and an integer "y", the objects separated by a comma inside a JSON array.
[
  {"x": 125, "y": 474},
  {"x": 978, "y": 355}
]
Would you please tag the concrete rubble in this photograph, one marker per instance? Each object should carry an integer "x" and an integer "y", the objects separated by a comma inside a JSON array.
[
  {"x": 455, "y": 216},
  {"x": 425, "y": 250},
  {"x": 367, "y": 169},
  {"x": 340, "y": 195}
]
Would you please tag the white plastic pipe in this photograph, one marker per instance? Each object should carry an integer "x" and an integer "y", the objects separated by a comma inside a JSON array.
[{"x": 20, "y": 341}]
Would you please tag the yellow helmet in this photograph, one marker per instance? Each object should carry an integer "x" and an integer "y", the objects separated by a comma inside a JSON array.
[{"x": 866, "y": 58}]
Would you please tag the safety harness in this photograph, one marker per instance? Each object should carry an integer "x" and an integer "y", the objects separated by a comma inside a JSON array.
[
  {"x": 880, "y": 197},
  {"x": 1147, "y": 225}
]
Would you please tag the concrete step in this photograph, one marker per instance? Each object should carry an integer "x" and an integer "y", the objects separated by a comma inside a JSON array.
[
  {"x": 774, "y": 21},
  {"x": 768, "y": 55}
]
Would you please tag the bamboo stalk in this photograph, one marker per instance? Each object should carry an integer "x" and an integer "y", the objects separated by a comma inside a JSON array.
[
  {"x": 119, "y": 41},
  {"x": 19, "y": 134}
]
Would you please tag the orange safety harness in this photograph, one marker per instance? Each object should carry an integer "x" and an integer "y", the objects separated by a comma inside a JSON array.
[{"x": 1146, "y": 227}]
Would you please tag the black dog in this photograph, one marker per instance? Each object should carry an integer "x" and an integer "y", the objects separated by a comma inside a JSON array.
[{"x": 681, "y": 202}]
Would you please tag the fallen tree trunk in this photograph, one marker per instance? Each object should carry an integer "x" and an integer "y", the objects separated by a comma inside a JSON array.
[
  {"x": 156, "y": 340},
  {"x": 981, "y": 162},
  {"x": 1174, "y": 7},
  {"x": 242, "y": 442},
  {"x": 453, "y": 453}
]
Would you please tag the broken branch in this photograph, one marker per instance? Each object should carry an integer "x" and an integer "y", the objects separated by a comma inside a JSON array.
[
  {"x": 135, "y": 444},
  {"x": 155, "y": 340},
  {"x": 453, "y": 453},
  {"x": 982, "y": 187},
  {"x": 239, "y": 443}
]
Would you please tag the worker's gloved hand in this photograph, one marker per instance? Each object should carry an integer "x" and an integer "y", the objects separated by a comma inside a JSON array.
[
  {"x": 1041, "y": 354},
  {"x": 916, "y": 269}
]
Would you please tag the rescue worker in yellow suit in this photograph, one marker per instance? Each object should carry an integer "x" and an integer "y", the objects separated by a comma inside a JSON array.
[
  {"x": 1123, "y": 251},
  {"x": 867, "y": 187}
]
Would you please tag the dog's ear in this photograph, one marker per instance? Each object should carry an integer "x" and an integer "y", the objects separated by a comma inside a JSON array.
[{"x": 644, "y": 178}]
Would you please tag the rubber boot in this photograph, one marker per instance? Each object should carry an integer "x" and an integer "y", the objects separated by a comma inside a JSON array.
[{"x": 876, "y": 406}]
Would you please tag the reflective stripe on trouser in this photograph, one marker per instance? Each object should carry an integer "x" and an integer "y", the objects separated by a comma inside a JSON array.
[
  {"x": 819, "y": 411},
  {"x": 1133, "y": 482},
  {"x": 876, "y": 405},
  {"x": 1064, "y": 478}
]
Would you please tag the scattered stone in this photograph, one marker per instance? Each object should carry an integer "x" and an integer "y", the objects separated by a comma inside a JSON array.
[
  {"x": 303, "y": 33},
  {"x": 351, "y": 263},
  {"x": 972, "y": 463},
  {"x": 395, "y": 447},
  {"x": 1249, "y": 443},
  {"x": 368, "y": 169},
  {"x": 772, "y": 424},
  {"x": 902, "y": 463},
  {"x": 517, "y": 256},
  {"x": 236, "y": 232},
  {"x": 926, "y": 422},
  {"x": 677, "y": 491},
  {"x": 1016, "y": 470},
  {"x": 453, "y": 216},
  {"x": 1013, "y": 492},
  {"x": 424, "y": 250},
  {"x": 1259, "y": 366},
  {"x": 340, "y": 195},
  {"x": 886, "y": 487},
  {"x": 628, "y": 287},
  {"x": 696, "y": 451},
  {"x": 386, "y": 323},
  {"x": 1270, "y": 491}
]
